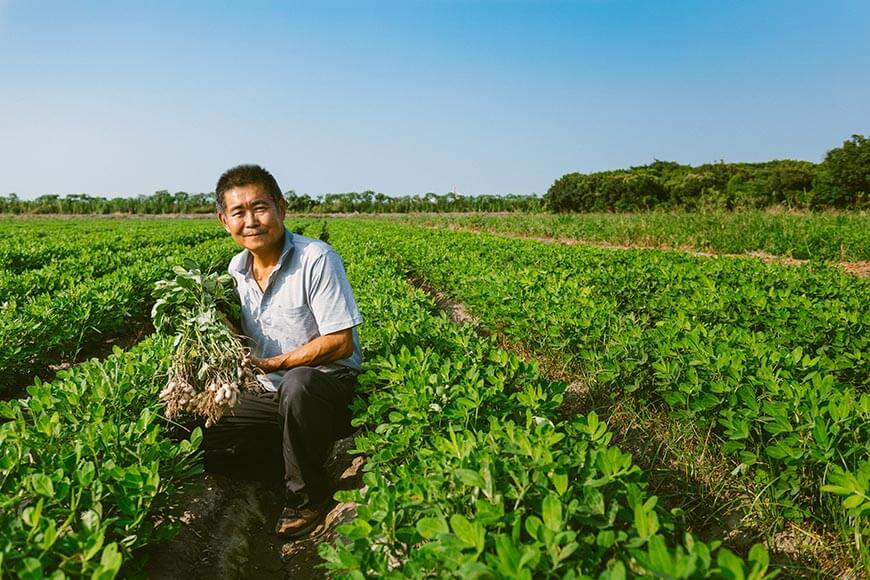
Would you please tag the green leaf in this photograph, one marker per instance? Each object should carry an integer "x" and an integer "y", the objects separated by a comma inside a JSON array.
[
  {"x": 797, "y": 354},
  {"x": 560, "y": 481},
  {"x": 852, "y": 501},
  {"x": 30, "y": 568},
  {"x": 356, "y": 529},
  {"x": 659, "y": 557},
  {"x": 462, "y": 528},
  {"x": 605, "y": 538},
  {"x": 93, "y": 544},
  {"x": 731, "y": 565},
  {"x": 90, "y": 520},
  {"x": 32, "y": 514},
  {"x": 508, "y": 556},
  {"x": 110, "y": 563},
  {"x": 196, "y": 438},
  {"x": 469, "y": 534},
  {"x": 838, "y": 489},
  {"x": 49, "y": 535},
  {"x": 470, "y": 478},
  {"x": 615, "y": 572},
  {"x": 41, "y": 484},
  {"x": 645, "y": 520},
  {"x": 431, "y": 528},
  {"x": 760, "y": 560},
  {"x": 533, "y": 525},
  {"x": 487, "y": 512},
  {"x": 85, "y": 473},
  {"x": 552, "y": 512}
]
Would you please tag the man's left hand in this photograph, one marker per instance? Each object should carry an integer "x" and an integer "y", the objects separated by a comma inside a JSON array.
[
  {"x": 322, "y": 350},
  {"x": 267, "y": 365}
]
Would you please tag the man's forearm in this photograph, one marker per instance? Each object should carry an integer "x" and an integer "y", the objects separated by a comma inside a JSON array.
[{"x": 322, "y": 350}]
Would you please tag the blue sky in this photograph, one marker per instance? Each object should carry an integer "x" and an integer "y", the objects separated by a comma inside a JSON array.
[{"x": 488, "y": 96}]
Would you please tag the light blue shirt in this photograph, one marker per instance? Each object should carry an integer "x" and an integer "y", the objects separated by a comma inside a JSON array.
[{"x": 307, "y": 295}]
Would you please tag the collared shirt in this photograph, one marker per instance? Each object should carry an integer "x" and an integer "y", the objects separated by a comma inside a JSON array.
[{"x": 307, "y": 295}]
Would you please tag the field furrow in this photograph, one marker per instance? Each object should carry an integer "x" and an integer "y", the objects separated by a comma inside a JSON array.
[{"x": 771, "y": 361}]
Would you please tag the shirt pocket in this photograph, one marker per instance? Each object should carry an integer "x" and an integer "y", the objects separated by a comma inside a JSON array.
[{"x": 291, "y": 327}]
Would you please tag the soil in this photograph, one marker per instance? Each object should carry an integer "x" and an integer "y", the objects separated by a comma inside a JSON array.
[
  {"x": 456, "y": 311},
  {"x": 227, "y": 529}
]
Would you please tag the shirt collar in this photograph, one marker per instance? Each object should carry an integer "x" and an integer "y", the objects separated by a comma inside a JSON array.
[{"x": 244, "y": 266}]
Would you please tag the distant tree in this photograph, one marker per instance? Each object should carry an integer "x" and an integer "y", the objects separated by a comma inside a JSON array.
[
  {"x": 632, "y": 191},
  {"x": 688, "y": 189},
  {"x": 790, "y": 182},
  {"x": 10, "y": 203},
  {"x": 575, "y": 192},
  {"x": 49, "y": 203},
  {"x": 826, "y": 193},
  {"x": 299, "y": 203},
  {"x": 741, "y": 192},
  {"x": 848, "y": 169}
]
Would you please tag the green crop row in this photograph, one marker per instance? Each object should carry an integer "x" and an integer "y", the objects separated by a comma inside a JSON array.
[
  {"x": 774, "y": 359},
  {"x": 87, "y": 474},
  {"x": 102, "y": 258},
  {"x": 823, "y": 237},
  {"x": 68, "y": 273},
  {"x": 53, "y": 326},
  {"x": 471, "y": 473},
  {"x": 33, "y": 243}
]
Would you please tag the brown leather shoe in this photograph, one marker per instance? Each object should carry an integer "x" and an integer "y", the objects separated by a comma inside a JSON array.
[{"x": 295, "y": 522}]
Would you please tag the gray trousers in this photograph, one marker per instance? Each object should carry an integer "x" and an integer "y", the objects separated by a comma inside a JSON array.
[{"x": 298, "y": 423}]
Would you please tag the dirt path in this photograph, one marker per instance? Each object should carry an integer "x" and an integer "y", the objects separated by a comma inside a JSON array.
[
  {"x": 227, "y": 530},
  {"x": 861, "y": 268}
]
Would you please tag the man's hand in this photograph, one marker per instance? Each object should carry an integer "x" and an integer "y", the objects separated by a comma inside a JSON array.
[
  {"x": 267, "y": 365},
  {"x": 322, "y": 350}
]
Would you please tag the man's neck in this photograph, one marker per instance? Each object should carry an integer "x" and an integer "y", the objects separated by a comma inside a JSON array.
[{"x": 267, "y": 258}]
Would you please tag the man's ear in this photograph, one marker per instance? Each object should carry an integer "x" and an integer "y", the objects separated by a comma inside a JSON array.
[
  {"x": 282, "y": 208},
  {"x": 223, "y": 220}
]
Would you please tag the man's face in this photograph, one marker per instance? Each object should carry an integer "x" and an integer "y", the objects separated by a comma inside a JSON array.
[{"x": 252, "y": 218}]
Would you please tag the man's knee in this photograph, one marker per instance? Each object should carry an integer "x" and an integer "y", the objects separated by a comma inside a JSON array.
[{"x": 295, "y": 387}]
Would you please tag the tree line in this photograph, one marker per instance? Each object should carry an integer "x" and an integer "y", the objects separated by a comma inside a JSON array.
[
  {"x": 842, "y": 180},
  {"x": 163, "y": 202}
]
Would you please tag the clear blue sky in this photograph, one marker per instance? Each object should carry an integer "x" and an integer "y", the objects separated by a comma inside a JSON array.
[{"x": 497, "y": 96}]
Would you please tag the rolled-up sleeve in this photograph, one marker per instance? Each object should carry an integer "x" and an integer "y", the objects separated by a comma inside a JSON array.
[{"x": 330, "y": 297}]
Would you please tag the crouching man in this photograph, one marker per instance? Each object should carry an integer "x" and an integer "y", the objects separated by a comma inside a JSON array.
[{"x": 299, "y": 315}]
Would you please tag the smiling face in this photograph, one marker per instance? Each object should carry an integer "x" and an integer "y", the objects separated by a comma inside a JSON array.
[{"x": 253, "y": 219}]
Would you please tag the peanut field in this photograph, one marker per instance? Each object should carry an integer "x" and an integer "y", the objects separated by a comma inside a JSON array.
[{"x": 601, "y": 413}]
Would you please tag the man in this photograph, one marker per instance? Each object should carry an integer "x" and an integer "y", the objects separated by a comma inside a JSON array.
[{"x": 299, "y": 315}]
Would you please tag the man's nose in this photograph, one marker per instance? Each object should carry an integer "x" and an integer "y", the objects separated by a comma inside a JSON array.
[{"x": 251, "y": 219}]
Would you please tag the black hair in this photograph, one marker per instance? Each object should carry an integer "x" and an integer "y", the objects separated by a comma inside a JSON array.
[{"x": 246, "y": 175}]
